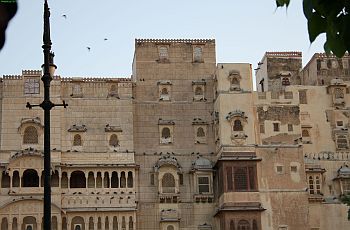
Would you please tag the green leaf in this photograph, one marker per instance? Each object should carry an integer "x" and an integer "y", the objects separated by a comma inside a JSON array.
[
  {"x": 307, "y": 8},
  {"x": 281, "y": 3},
  {"x": 326, "y": 48},
  {"x": 336, "y": 44},
  {"x": 316, "y": 25}
]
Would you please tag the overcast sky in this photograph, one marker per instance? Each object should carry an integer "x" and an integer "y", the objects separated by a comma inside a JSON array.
[{"x": 244, "y": 31}]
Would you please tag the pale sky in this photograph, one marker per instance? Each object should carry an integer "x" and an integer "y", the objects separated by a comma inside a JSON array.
[{"x": 244, "y": 31}]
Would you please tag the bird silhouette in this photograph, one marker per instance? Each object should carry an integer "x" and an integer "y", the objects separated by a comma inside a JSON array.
[
  {"x": 88, "y": 48},
  {"x": 65, "y": 16},
  {"x": 105, "y": 39}
]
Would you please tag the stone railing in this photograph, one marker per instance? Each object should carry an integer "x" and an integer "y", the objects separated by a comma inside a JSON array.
[
  {"x": 331, "y": 156},
  {"x": 98, "y": 200}
]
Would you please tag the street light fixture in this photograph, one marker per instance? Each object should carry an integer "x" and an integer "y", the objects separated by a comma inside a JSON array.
[{"x": 48, "y": 72}]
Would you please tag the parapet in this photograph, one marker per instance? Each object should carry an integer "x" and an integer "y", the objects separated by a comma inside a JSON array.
[
  {"x": 174, "y": 41},
  {"x": 284, "y": 54}
]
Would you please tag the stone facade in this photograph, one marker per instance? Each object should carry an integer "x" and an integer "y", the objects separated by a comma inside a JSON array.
[{"x": 185, "y": 143}]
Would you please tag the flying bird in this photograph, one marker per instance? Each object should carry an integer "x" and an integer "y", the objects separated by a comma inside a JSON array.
[
  {"x": 65, "y": 16},
  {"x": 88, "y": 48},
  {"x": 105, "y": 39}
]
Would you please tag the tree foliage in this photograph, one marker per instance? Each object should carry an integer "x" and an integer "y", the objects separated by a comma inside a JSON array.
[
  {"x": 327, "y": 16},
  {"x": 346, "y": 200}
]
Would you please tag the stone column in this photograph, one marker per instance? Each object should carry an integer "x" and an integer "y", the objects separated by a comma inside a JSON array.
[
  {"x": 38, "y": 224},
  {"x": 87, "y": 224},
  {"x": 103, "y": 223},
  {"x": 110, "y": 223},
  {"x": 59, "y": 223}
]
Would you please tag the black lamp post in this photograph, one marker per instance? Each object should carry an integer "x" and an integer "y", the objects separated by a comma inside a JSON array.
[{"x": 48, "y": 72}]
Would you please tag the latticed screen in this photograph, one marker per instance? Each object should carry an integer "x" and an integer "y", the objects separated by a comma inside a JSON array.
[
  {"x": 200, "y": 132},
  {"x": 163, "y": 52},
  {"x": 197, "y": 54},
  {"x": 31, "y": 86},
  {"x": 30, "y": 135},
  {"x": 241, "y": 178},
  {"x": 168, "y": 183},
  {"x": 203, "y": 184}
]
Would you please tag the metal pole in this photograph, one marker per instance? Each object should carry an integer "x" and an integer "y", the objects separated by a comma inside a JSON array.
[{"x": 47, "y": 105}]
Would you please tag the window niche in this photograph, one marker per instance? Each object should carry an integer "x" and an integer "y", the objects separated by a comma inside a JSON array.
[
  {"x": 31, "y": 131},
  {"x": 337, "y": 89},
  {"x": 164, "y": 88},
  {"x": 77, "y": 90},
  {"x": 77, "y": 136},
  {"x": 306, "y": 134},
  {"x": 197, "y": 54},
  {"x": 235, "y": 80},
  {"x": 200, "y": 131},
  {"x": 163, "y": 54},
  {"x": 32, "y": 86},
  {"x": 237, "y": 121},
  {"x": 113, "y": 91},
  {"x": 113, "y": 136},
  {"x": 199, "y": 90},
  {"x": 166, "y": 131}
]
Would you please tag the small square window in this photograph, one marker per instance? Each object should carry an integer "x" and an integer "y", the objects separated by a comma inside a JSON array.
[
  {"x": 339, "y": 123},
  {"x": 203, "y": 184},
  {"x": 290, "y": 128},
  {"x": 294, "y": 169},
  {"x": 279, "y": 169},
  {"x": 276, "y": 127}
]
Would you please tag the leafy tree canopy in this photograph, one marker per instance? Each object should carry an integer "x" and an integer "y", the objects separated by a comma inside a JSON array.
[{"x": 327, "y": 16}]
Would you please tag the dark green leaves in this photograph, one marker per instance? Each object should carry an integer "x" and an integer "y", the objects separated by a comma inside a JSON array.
[
  {"x": 330, "y": 17},
  {"x": 281, "y": 3}
]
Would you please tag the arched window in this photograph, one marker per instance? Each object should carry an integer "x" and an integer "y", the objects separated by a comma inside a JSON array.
[
  {"x": 255, "y": 225},
  {"x": 123, "y": 223},
  {"x": 198, "y": 91},
  {"x": 54, "y": 179},
  {"x": 305, "y": 133},
  {"x": 114, "y": 180},
  {"x": 30, "y": 135},
  {"x": 99, "y": 180},
  {"x": 163, "y": 52},
  {"x": 64, "y": 180},
  {"x": 197, "y": 54},
  {"x": 77, "y": 140},
  {"x": 200, "y": 132},
  {"x": 122, "y": 180},
  {"x": 106, "y": 180},
  {"x": 91, "y": 180},
  {"x": 30, "y": 178},
  {"x": 15, "y": 179},
  {"x": 170, "y": 227},
  {"x": 113, "y": 140},
  {"x": 130, "y": 180},
  {"x": 5, "y": 180},
  {"x": 77, "y": 180},
  {"x": 237, "y": 125},
  {"x": 243, "y": 225},
  {"x": 166, "y": 133},
  {"x": 232, "y": 225},
  {"x": 131, "y": 223},
  {"x": 168, "y": 183}
]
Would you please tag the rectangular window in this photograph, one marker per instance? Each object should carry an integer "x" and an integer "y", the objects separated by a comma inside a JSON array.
[
  {"x": 342, "y": 142},
  {"x": 229, "y": 178},
  {"x": 31, "y": 86},
  {"x": 339, "y": 123},
  {"x": 203, "y": 184},
  {"x": 279, "y": 169},
  {"x": 181, "y": 179},
  {"x": 152, "y": 179},
  {"x": 276, "y": 127},
  {"x": 262, "y": 128},
  {"x": 302, "y": 97},
  {"x": 290, "y": 128}
]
